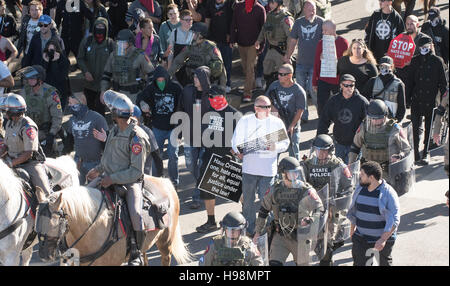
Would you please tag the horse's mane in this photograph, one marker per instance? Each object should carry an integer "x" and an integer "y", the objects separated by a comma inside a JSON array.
[
  {"x": 81, "y": 203},
  {"x": 66, "y": 164},
  {"x": 10, "y": 184}
]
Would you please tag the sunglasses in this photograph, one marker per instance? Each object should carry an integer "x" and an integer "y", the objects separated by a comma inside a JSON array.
[
  {"x": 284, "y": 73},
  {"x": 43, "y": 25},
  {"x": 263, "y": 106},
  {"x": 348, "y": 85}
]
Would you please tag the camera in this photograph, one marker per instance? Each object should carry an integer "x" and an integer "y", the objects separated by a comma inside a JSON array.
[{"x": 51, "y": 54}]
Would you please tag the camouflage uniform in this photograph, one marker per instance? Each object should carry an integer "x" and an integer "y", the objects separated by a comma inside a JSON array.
[
  {"x": 204, "y": 54},
  {"x": 244, "y": 254},
  {"x": 276, "y": 30},
  {"x": 123, "y": 161},
  {"x": 126, "y": 74},
  {"x": 287, "y": 205},
  {"x": 22, "y": 136},
  {"x": 295, "y": 7},
  {"x": 442, "y": 114},
  {"x": 375, "y": 147},
  {"x": 44, "y": 108}
]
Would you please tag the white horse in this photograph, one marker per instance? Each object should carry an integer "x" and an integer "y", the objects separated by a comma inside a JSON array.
[
  {"x": 16, "y": 222},
  {"x": 80, "y": 216}
]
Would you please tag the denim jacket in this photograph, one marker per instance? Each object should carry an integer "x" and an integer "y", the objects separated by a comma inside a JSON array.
[{"x": 388, "y": 205}]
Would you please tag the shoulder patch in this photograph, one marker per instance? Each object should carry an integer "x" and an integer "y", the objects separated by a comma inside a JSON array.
[
  {"x": 136, "y": 147},
  {"x": 359, "y": 129},
  {"x": 288, "y": 21},
  {"x": 55, "y": 97},
  {"x": 31, "y": 132},
  {"x": 216, "y": 51}
]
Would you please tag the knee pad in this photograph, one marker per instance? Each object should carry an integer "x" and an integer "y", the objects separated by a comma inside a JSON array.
[{"x": 275, "y": 263}]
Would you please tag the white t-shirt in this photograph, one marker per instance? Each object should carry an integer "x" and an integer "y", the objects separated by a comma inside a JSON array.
[
  {"x": 262, "y": 162},
  {"x": 31, "y": 28},
  {"x": 4, "y": 72}
]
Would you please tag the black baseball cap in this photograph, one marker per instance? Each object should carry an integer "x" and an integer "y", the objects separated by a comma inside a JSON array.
[
  {"x": 216, "y": 90},
  {"x": 348, "y": 77},
  {"x": 423, "y": 41},
  {"x": 387, "y": 60},
  {"x": 433, "y": 13}
]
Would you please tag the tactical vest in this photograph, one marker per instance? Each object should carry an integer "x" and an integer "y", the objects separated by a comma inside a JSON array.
[
  {"x": 319, "y": 175},
  {"x": 273, "y": 28},
  {"x": 287, "y": 201},
  {"x": 376, "y": 145},
  {"x": 122, "y": 68},
  {"x": 389, "y": 95},
  {"x": 226, "y": 256},
  {"x": 37, "y": 108}
]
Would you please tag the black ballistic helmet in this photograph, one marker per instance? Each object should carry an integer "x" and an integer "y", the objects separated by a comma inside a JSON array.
[
  {"x": 377, "y": 109},
  {"x": 233, "y": 220},
  {"x": 200, "y": 27},
  {"x": 126, "y": 35},
  {"x": 323, "y": 141},
  {"x": 288, "y": 164}
]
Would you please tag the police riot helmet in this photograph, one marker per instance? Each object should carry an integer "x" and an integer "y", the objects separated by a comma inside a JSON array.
[
  {"x": 126, "y": 35},
  {"x": 14, "y": 103},
  {"x": 200, "y": 27},
  {"x": 122, "y": 106},
  {"x": 33, "y": 72},
  {"x": 376, "y": 116},
  {"x": 234, "y": 227},
  {"x": 322, "y": 149},
  {"x": 291, "y": 172},
  {"x": 377, "y": 109},
  {"x": 137, "y": 112}
]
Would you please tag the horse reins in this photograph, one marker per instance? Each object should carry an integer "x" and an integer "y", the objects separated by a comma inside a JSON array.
[{"x": 10, "y": 229}]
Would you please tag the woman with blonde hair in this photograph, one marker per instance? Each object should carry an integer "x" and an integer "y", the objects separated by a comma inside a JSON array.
[{"x": 358, "y": 61}]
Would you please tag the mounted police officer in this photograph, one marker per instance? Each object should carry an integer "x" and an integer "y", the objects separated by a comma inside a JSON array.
[
  {"x": 320, "y": 168},
  {"x": 295, "y": 204},
  {"x": 276, "y": 30},
  {"x": 381, "y": 140},
  {"x": 22, "y": 144},
  {"x": 123, "y": 162},
  {"x": 127, "y": 67},
  {"x": 201, "y": 52},
  {"x": 44, "y": 105},
  {"x": 232, "y": 247}
]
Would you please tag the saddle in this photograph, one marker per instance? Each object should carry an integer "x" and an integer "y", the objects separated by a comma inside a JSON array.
[{"x": 155, "y": 208}]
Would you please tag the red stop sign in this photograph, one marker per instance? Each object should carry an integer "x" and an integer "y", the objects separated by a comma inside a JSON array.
[{"x": 401, "y": 50}]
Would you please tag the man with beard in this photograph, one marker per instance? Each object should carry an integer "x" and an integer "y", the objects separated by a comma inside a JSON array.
[
  {"x": 375, "y": 216},
  {"x": 426, "y": 77},
  {"x": 412, "y": 29}
]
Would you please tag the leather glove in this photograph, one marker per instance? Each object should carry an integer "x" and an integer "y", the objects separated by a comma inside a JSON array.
[{"x": 49, "y": 140}]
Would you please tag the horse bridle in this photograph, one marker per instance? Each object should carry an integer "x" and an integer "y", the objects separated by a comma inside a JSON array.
[{"x": 63, "y": 228}]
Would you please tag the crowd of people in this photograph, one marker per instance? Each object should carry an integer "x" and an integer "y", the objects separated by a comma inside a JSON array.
[{"x": 146, "y": 62}]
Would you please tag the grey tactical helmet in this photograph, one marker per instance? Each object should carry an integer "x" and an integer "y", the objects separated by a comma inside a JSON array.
[
  {"x": 288, "y": 164},
  {"x": 122, "y": 106},
  {"x": 126, "y": 35},
  {"x": 35, "y": 71},
  {"x": 322, "y": 149},
  {"x": 14, "y": 103},
  {"x": 377, "y": 109},
  {"x": 200, "y": 27}
]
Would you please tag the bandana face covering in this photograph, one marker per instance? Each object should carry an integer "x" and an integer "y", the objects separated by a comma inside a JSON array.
[
  {"x": 384, "y": 70},
  {"x": 99, "y": 35},
  {"x": 161, "y": 84},
  {"x": 424, "y": 51},
  {"x": 218, "y": 102},
  {"x": 249, "y": 5}
]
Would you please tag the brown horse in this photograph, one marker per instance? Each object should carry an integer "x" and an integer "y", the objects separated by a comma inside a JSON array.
[
  {"x": 409, "y": 6},
  {"x": 89, "y": 221}
]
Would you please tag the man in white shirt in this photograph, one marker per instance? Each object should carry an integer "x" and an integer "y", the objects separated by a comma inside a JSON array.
[{"x": 257, "y": 140}]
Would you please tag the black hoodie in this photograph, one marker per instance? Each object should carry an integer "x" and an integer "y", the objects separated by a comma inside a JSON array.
[
  {"x": 162, "y": 103},
  {"x": 188, "y": 100}
]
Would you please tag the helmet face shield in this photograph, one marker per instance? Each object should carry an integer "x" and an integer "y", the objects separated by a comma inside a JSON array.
[
  {"x": 121, "y": 48},
  {"x": 375, "y": 124},
  {"x": 320, "y": 156},
  {"x": 294, "y": 178},
  {"x": 233, "y": 235}
]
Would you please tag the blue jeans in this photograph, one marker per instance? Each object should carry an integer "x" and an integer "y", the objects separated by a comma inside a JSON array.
[
  {"x": 84, "y": 169},
  {"x": 259, "y": 64},
  {"x": 252, "y": 184},
  {"x": 227, "y": 56},
  {"x": 342, "y": 152},
  {"x": 193, "y": 158},
  {"x": 172, "y": 152},
  {"x": 303, "y": 76},
  {"x": 294, "y": 147}
]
